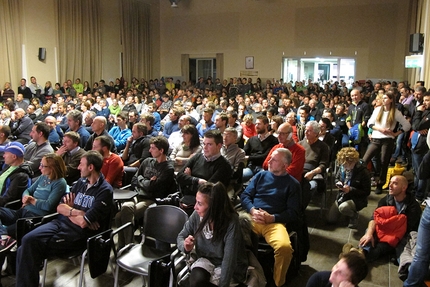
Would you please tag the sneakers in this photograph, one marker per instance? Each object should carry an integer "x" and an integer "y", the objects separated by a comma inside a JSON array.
[
  {"x": 348, "y": 247},
  {"x": 353, "y": 222},
  {"x": 3, "y": 229},
  {"x": 6, "y": 243}
]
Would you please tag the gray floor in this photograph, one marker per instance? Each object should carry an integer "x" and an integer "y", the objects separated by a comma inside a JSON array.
[{"x": 326, "y": 244}]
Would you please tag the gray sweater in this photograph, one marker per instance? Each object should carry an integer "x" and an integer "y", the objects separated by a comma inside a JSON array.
[{"x": 229, "y": 254}]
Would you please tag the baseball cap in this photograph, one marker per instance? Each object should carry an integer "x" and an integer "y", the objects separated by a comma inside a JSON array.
[{"x": 15, "y": 148}]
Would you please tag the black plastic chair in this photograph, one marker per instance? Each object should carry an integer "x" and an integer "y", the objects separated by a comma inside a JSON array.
[
  {"x": 97, "y": 250},
  {"x": 161, "y": 227}
]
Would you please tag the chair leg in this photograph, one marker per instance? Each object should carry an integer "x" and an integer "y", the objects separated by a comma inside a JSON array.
[
  {"x": 115, "y": 276},
  {"x": 45, "y": 266},
  {"x": 81, "y": 275}
]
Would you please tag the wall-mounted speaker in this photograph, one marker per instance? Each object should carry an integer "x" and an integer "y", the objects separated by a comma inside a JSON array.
[
  {"x": 42, "y": 54},
  {"x": 416, "y": 43}
]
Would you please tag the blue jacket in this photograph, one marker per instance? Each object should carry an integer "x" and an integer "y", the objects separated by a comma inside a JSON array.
[{"x": 120, "y": 137}]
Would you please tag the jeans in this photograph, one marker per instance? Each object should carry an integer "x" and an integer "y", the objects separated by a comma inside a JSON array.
[
  {"x": 384, "y": 147},
  {"x": 399, "y": 147},
  {"x": 52, "y": 238},
  {"x": 9, "y": 217},
  {"x": 420, "y": 265},
  {"x": 346, "y": 208},
  {"x": 250, "y": 171},
  {"x": 419, "y": 184}
]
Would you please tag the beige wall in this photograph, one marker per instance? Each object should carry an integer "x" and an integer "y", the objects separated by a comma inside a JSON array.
[
  {"x": 373, "y": 32},
  {"x": 39, "y": 31},
  {"x": 267, "y": 29}
]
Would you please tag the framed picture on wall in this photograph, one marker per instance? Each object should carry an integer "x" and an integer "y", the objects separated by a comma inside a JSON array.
[{"x": 249, "y": 62}]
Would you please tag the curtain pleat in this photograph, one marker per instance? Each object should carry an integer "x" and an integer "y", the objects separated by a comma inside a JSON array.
[
  {"x": 135, "y": 37},
  {"x": 79, "y": 38},
  {"x": 10, "y": 49}
]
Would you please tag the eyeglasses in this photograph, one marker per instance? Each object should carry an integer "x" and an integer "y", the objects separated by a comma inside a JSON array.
[{"x": 43, "y": 166}]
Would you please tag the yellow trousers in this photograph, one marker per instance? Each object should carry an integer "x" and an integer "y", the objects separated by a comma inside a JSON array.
[{"x": 277, "y": 237}]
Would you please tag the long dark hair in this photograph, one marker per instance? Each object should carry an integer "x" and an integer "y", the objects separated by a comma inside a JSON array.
[
  {"x": 195, "y": 140},
  {"x": 220, "y": 211}
]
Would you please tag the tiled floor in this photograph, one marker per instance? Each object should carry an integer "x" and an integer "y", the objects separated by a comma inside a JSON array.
[{"x": 326, "y": 244}]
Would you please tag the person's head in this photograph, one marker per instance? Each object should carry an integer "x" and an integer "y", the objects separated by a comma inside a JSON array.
[
  {"x": 229, "y": 136},
  {"x": 132, "y": 116},
  {"x": 213, "y": 205},
  {"x": 221, "y": 120},
  {"x": 40, "y": 132},
  {"x": 261, "y": 124},
  {"x": 5, "y": 114},
  {"x": 419, "y": 93},
  {"x": 426, "y": 100},
  {"x": 121, "y": 120},
  {"x": 355, "y": 96},
  {"x": 207, "y": 114},
  {"x": 279, "y": 160},
  {"x": 52, "y": 166},
  {"x": 388, "y": 104},
  {"x": 212, "y": 143},
  {"x": 99, "y": 124},
  {"x": 74, "y": 120},
  {"x": 325, "y": 125},
  {"x": 184, "y": 120},
  {"x": 276, "y": 122},
  {"x": 285, "y": 134},
  {"x": 174, "y": 114},
  {"x": 5, "y": 132},
  {"x": 148, "y": 119},
  {"x": 398, "y": 186},
  {"x": 13, "y": 153},
  {"x": 158, "y": 146},
  {"x": 138, "y": 130},
  {"x": 51, "y": 122},
  {"x": 351, "y": 267},
  {"x": 19, "y": 114},
  {"x": 102, "y": 144},
  {"x": 312, "y": 131},
  {"x": 190, "y": 136},
  {"x": 71, "y": 140},
  {"x": 348, "y": 157},
  {"x": 291, "y": 118},
  {"x": 91, "y": 162}
]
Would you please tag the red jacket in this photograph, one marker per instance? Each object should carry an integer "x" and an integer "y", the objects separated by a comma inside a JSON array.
[{"x": 390, "y": 226}]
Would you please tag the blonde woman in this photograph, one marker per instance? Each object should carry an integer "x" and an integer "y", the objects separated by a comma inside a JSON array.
[{"x": 353, "y": 182}]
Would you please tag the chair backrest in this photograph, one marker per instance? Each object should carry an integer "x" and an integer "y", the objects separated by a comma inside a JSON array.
[{"x": 164, "y": 222}]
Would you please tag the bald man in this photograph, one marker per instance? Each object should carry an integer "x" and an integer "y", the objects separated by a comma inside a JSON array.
[
  {"x": 404, "y": 203},
  {"x": 285, "y": 138},
  {"x": 99, "y": 129},
  {"x": 21, "y": 127}
]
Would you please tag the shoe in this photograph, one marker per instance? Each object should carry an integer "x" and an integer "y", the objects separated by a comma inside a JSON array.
[
  {"x": 6, "y": 243},
  {"x": 3, "y": 230},
  {"x": 353, "y": 222},
  {"x": 378, "y": 190},
  {"x": 345, "y": 249},
  {"x": 360, "y": 251}
]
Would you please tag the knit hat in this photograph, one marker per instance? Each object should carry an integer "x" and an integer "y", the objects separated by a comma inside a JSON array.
[{"x": 15, "y": 148}]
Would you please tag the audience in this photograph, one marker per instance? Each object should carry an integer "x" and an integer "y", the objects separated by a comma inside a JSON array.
[{"x": 136, "y": 110}]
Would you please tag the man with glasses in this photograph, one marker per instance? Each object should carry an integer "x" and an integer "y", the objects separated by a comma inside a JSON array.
[{"x": 285, "y": 138}]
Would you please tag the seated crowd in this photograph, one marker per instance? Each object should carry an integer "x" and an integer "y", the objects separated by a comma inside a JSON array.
[{"x": 279, "y": 140}]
